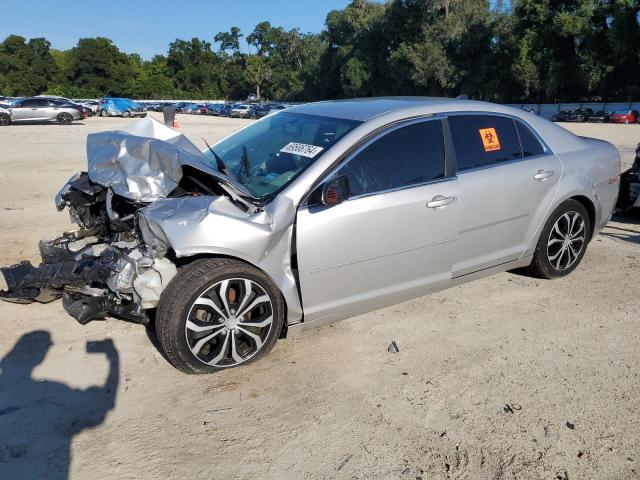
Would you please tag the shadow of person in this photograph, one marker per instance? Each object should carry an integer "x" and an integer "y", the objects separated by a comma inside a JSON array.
[{"x": 39, "y": 418}]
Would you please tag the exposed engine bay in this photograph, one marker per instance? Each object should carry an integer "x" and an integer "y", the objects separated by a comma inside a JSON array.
[{"x": 116, "y": 263}]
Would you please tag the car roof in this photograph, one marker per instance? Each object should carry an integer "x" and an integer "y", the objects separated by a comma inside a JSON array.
[{"x": 363, "y": 109}]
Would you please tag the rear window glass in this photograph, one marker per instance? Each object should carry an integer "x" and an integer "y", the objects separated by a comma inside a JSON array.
[
  {"x": 531, "y": 146},
  {"x": 483, "y": 140}
]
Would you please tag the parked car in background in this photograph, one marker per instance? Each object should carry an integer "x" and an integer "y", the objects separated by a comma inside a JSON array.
[
  {"x": 215, "y": 109},
  {"x": 579, "y": 115},
  {"x": 42, "y": 109},
  {"x": 253, "y": 98},
  {"x": 192, "y": 108},
  {"x": 599, "y": 117},
  {"x": 92, "y": 105},
  {"x": 120, "y": 107},
  {"x": 262, "y": 110},
  {"x": 624, "y": 116},
  {"x": 242, "y": 111},
  {"x": 180, "y": 106},
  {"x": 223, "y": 110},
  {"x": 278, "y": 108}
]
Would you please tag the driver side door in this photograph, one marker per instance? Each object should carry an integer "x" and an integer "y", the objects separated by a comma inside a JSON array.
[{"x": 391, "y": 239}]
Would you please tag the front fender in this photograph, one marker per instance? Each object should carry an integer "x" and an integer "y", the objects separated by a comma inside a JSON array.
[{"x": 210, "y": 225}]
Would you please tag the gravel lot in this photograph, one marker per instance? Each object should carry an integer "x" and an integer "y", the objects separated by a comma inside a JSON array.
[{"x": 331, "y": 403}]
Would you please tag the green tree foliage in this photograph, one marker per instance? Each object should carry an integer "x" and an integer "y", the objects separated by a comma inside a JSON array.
[
  {"x": 499, "y": 50},
  {"x": 26, "y": 68}
]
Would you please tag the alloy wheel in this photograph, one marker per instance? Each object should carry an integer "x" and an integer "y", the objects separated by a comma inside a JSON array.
[
  {"x": 229, "y": 323},
  {"x": 566, "y": 240},
  {"x": 5, "y": 119}
]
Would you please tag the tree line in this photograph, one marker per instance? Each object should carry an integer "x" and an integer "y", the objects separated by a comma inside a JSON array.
[{"x": 513, "y": 51}]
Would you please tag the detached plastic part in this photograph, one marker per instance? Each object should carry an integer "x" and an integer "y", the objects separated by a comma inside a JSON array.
[{"x": 150, "y": 284}]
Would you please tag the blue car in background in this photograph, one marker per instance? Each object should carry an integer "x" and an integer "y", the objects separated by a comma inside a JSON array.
[{"x": 120, "y": 107}]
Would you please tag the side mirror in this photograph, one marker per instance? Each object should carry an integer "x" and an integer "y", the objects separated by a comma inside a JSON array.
[{"x": 335, "y": 191}]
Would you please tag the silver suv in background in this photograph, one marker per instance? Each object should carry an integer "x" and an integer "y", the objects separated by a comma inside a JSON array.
[{"x": 44, "y": 110}]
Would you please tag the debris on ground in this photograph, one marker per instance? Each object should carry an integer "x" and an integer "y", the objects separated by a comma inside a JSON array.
[
  {"x": 511, "y": 408},
  {"x": 393, "y": 347}
]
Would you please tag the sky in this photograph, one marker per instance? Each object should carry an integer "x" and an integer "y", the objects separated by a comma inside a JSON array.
[{"x": 147, "y": 27}]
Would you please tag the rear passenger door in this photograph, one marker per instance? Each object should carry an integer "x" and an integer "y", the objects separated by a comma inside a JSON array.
[{"x": 508, "y": 179}]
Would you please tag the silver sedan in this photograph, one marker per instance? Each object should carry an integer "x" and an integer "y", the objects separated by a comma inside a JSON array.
[
  {"x": 42, "y": 109},
  {"x": 325, "y": 211}
]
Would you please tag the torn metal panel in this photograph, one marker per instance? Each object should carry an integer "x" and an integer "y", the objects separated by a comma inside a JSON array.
[{"x": 143, "y": 162}]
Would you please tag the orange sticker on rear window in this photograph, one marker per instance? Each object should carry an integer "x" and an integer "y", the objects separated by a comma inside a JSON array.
[{"x": 490, "y": 139}]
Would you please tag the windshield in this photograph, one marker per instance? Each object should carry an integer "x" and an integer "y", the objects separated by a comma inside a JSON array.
[{"x": 267, "y": 155}]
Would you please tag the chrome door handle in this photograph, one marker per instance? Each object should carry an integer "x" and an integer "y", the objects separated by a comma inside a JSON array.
[
  {"x": 542, "y": 175},
  {"x": 440, "y": 201}
]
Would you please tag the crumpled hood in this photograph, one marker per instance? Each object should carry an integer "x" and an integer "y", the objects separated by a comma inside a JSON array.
[{"x": 143, "y": 161}]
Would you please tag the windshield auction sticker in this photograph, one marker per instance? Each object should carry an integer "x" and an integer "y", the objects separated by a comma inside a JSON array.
[
  {"x": 301, "y": 149},
  {"x": 490, "y": 139}
]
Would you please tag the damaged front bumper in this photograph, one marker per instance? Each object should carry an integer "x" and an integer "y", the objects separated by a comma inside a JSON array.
[{"x": 94, "y": 280}]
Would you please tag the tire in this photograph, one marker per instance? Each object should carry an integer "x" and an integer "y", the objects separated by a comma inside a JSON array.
[
  {"x": 126, "y": 114},
  {"x": 554, "y": 256},
  {"x": 5, "y": 120},
  {"x": 104, "y": 113},
  {"x": 213, "y": 338},
  {"x": 65, "y": 119}
]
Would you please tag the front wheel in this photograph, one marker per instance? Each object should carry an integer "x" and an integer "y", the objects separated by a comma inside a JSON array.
[
  {"x": 563, "y": 241},
  {"x": 218, "y": 313},
  {"x": 5, "y": 119},
  {"x": 65, "y": 119},
  {"x": 126, "y": 114}
]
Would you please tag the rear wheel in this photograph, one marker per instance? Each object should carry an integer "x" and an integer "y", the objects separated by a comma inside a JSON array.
[
  {"x": 103, "y": 113},
  {"x": 5, "y": 119},
  {"x": 126, "y": 114},
  {"x": 65, "y": 119},
  {"x": 563, "y": 241},
  {"x": 218, "y": 313}
]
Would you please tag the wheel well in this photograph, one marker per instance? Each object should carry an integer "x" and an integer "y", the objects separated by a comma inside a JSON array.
[{"x": 591, "y": 210}]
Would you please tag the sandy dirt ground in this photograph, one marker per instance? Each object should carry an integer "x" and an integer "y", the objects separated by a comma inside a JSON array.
[{"x": 507, "y": 377}]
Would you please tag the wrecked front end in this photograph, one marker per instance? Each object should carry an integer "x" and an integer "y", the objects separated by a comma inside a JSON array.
[
  {"x": 114, "y": 264},
  {"x": 100, "y": 269}
]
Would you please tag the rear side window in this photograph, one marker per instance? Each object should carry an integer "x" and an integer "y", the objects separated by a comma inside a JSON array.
[
  {"x": 531, "y": 146},
  {"x": 483, "y": 140},
  {"x": 405, "y": 156}
]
